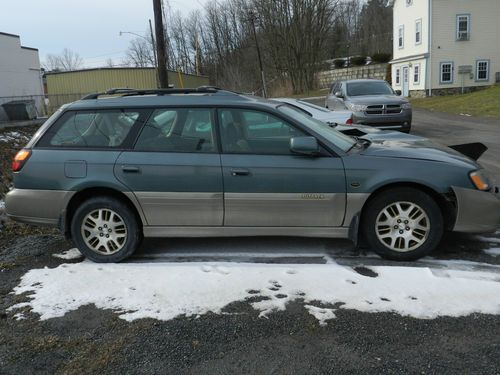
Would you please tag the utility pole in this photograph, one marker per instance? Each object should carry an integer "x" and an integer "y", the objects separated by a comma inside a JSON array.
[
  {"x": 154, "y": 51},
  {"x": 160, "y": 45},
  {"x": 251, "y": 16}
]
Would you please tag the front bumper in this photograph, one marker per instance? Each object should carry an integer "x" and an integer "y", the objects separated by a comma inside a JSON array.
[
  {"x": 477, "y": 211},
  {"x": 399, "y": 121},
  {"x": 38, "y": 207}
]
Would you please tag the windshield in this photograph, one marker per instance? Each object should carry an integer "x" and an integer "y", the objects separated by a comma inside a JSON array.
[
  {"x": 369, "y": 88},
  {"x": 313, "y": 106},
  {"x": 342, "y": 141}
]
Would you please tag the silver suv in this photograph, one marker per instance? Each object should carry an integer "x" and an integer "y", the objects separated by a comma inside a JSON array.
[{"x": 372, "y": 102}]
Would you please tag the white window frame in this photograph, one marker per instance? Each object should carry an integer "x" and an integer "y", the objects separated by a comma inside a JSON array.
[
  {"x": 398, "y": 76},
  {"x": 487, "y": 70},
  {"x": 401, "y": 36},
  {"x": 416, "y": 73},
  {"x": 459, "y": 16},
  {"x": 441, "y": 65},
  {"x": 418, "y": 32}
]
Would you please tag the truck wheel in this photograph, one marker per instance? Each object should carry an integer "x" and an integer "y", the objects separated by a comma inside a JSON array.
[
  {"x": 403, "y": 224},
  {"x": 105, "y": 230}
]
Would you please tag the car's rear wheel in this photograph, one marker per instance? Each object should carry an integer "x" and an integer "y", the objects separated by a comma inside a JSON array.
[
  {"x": 105, "y": 230},
  {"x": 403, "y": 224}
]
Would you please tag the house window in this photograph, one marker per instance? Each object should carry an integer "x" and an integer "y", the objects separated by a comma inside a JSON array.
[
  {"x": 446, "y": 72},
  {"x": 398, "y": 76},
  {"x": 401, "y": 36},
  {"x": 463, "y": 27},
  {"x": 416, "y": 74},
  {"x": 409, "y": 2},
  {"x": 418, "y": 31},
  {"x": 483, "y": 70}
]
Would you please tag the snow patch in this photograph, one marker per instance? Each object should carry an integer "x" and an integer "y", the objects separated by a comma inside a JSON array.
[
  {"x": 69, "y": 254},
  {"x": 494, "y": 251},
  {"x": 167, "y": 290}
]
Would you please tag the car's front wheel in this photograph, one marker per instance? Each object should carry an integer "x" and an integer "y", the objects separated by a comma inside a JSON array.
[
  {"x": 105, "y": 230},
  {"x": 403, "y": 224}
]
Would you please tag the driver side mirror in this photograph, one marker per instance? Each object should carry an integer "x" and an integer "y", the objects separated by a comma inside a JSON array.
[
  {"x": 398, "y": 92},
  {"x": 339, "y": 95},
  {"x": 304, "y": 146}
]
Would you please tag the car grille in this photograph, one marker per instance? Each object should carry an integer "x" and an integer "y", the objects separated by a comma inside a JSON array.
[{"x": 389, "y": 109}]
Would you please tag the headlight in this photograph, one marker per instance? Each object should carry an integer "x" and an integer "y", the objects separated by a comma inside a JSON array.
[
  {"x": 480, "y": 180},
  {"x": 406, "y": 106},
  {"x": 356, "y": 107}
]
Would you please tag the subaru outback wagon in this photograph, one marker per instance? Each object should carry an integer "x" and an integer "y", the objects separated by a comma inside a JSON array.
[{"x": 115, "y": 167}]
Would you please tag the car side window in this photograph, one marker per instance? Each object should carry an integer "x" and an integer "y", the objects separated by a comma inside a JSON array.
[
  {"x": 178, "y": 130},
  {"x": 93, "y": 129},
  {"x": 255, "y": 132}
]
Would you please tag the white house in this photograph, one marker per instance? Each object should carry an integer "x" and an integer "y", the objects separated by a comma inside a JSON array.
[
  {"x": 20, "y": 76},
  {"x": 445, "y": 46}
]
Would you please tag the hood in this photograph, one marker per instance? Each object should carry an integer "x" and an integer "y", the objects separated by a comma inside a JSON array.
[
  {"x": 422, "y": 149},
  {"x": 377, "y": 99}
]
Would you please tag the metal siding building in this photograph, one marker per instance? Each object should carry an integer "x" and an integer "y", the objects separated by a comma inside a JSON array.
[{"x": 66, "y": 87}]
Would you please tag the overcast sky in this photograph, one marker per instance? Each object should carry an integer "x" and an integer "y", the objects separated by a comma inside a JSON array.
[{"x": 89, "y": 27}]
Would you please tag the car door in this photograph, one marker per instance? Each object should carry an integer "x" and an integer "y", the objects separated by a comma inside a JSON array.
[
  {"x": 174, "y": 169},
  {"x": 266, "y": 185}
]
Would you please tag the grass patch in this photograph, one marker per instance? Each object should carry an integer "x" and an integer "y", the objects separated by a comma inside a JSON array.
[{"x": 483, "y": 103}]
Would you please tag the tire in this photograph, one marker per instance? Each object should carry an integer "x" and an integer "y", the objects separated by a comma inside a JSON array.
[
  {"x": 418, "y": 219},
  {"x": 104, "y": 216}
]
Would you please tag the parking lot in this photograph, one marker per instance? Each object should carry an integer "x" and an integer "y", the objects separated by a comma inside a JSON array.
[{"x": 258, "y": 305}]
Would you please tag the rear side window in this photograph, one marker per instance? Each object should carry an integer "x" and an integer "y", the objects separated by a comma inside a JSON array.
[
  {"x": 178, "y": 130},
  {"x": 93, "y": 129}
]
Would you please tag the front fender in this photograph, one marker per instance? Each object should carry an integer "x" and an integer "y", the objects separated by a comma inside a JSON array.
[{"x": 477, "y": 211}]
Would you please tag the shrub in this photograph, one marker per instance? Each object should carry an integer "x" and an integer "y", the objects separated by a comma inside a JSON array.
[
  {"x": 339, "y": 63},
  {"x": 381, "y": 57},
  {"x": 358, "y": 60}
]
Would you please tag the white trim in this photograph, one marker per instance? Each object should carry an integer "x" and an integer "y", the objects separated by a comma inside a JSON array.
[
  {"x": 418, "y": 22},
  {"x": 401, "y": 36},
  {"x": 418, "y": 68},
  {"x": 458, "y": 32},
  {"x": 487, "y": 70},
  {"x": 441, "y": 64}
]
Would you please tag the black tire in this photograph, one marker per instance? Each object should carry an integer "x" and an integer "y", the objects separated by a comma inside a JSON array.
[
  {"x": 384, "y": 199},
  {"x": 133, "y": 236}
]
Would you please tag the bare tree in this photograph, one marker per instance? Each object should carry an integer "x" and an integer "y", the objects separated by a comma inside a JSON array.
[
  {"x": 110, "y": 63},
  {"x": 140, "y": 53},
  {"x": 66, "y": 61}
]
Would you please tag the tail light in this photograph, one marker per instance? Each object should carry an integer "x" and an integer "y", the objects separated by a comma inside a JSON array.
[
  {"x": 20, "y": 159},
  {"x": 349, "y": 121}
]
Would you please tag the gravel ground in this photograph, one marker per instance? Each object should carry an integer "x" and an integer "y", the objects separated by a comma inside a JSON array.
[{"x": 90, "y": 340}]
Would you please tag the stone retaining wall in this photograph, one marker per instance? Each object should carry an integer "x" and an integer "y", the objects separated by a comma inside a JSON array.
[{"x": 377, "y": 71}]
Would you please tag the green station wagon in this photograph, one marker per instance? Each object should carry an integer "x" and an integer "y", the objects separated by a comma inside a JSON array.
[{"x": 118, "y": 166}]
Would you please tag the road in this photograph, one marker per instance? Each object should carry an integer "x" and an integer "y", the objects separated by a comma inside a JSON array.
[{"x": 452, "y": 129}]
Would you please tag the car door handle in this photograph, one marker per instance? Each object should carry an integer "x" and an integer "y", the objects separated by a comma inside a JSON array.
[
  {"x": 130, "y": 169},
  {"x": 240, "y": 172}
]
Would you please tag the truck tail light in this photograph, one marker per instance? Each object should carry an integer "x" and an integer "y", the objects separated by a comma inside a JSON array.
[
  {"x": 349, "y": 121},
  {"x": 20, "y": 159}
]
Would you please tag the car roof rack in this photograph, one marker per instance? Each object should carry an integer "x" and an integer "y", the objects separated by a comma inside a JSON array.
[{"x": 160, "y": 92}]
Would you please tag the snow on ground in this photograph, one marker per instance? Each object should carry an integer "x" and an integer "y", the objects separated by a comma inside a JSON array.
[
  {"x": 12, "y": 135},
  {"x": 494, "y": 251},
  {"x": 170, "y": 289},
  {"x": 493, "y": 241},
  {"x": 69, "y": 254}
]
